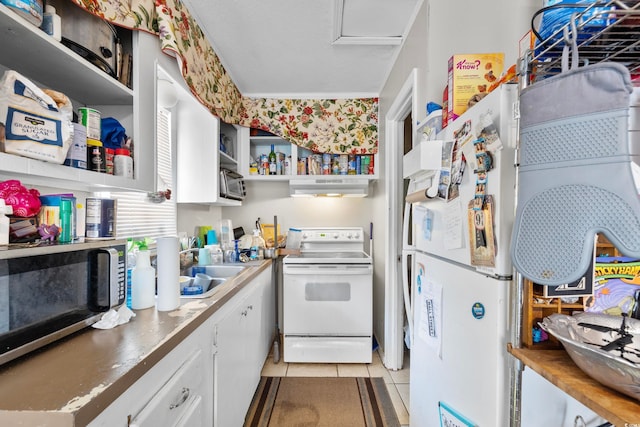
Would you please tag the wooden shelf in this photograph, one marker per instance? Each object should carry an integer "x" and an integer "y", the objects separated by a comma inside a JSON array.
[{"x": 558, "y": 368}]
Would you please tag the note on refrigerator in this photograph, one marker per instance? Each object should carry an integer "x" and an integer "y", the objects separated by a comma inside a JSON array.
[
  {"x": 453, "y": 225},
  {"x": 430, "y": 327}
]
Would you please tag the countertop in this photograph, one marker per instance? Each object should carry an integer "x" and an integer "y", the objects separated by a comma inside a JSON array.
[
  {"x": 558, "y": 368},
  {"x": 73, "y": 380}
]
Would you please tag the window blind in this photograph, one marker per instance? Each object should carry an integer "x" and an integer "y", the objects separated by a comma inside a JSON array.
[{"x": 136, "y": 215}]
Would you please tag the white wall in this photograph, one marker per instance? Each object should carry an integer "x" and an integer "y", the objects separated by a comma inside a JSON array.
[
  {"x": 267, "y": 199},
  {"x": 191, "y": 215}
]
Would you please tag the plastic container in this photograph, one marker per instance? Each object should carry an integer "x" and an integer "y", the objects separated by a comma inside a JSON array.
[
  {"x": 225, "y": 237},
  {"x": 51, "y": 23},
  {"x": 257, "y": 246},
  {"x": 66, "y": 229},
  {"x": 123, "y": 163},
  {"x": 4, "y": 222},
  {"x": 109, "y": 154},
  {"x": 216, "y": 254},
  {"x": 294, "y": 238},
  {"x": 143, "y": 282}
]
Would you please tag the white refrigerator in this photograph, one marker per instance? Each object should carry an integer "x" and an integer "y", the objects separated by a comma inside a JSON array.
[{"x": 458, "y": 306}]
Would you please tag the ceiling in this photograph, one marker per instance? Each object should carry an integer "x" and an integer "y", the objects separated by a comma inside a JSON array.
[{"x": 306, "y": 48}]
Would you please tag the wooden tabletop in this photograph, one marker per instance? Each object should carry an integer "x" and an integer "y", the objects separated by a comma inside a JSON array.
[{"x": 557, "y": 367}]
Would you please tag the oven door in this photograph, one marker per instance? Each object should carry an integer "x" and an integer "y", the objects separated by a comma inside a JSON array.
[{"x": 327, "y": 299}]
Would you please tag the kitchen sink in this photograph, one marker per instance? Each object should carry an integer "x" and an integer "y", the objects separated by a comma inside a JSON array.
[
  {"x": 223, "y": 270},
  {"x": 219, "y": 274}
]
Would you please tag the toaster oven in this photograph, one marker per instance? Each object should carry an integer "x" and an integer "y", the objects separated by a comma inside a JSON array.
[{"x": 232, "y": 185}]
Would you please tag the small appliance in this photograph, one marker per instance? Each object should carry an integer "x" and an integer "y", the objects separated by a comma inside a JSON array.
[
  {"x": 51, "y": 291},
  {"x": 232, "y": 185}
]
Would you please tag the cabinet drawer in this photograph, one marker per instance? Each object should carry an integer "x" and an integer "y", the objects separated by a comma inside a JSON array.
[{"x": 181, "y": 393}]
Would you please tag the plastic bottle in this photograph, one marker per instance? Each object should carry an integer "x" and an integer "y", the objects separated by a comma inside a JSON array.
[
  {"x": 66, "y": 232},
  {"x": 51, "y": 23},
  {"x": 257, "y": 246},
  {"x": 216, "y": 254},
  {"x": 4, "y": 222},
  {"x": 123, "y": 163},
  {"x": 273, "y": 167},
  {"x": 143, "y": 282},
  {"x": 131, "y": 263}
]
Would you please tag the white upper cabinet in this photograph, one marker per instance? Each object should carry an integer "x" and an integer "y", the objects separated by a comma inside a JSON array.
[{"x": 49, "y": 64}]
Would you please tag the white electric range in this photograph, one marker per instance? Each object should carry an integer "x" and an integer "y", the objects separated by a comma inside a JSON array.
[{"x": 328, "y": 298}]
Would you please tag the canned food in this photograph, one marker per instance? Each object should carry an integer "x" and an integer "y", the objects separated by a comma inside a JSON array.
[
  {"x": 90, "y": 118},
  {"x": 101, "y": 218}
]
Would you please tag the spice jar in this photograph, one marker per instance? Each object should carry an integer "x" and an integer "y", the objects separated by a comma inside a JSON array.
[{"x": 123, "y": 163}]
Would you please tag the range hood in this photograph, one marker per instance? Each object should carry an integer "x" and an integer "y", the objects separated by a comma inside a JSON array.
[{"x": 329, "y": 187}]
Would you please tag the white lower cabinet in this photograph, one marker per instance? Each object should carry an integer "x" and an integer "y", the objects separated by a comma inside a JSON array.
[
  {"x": 177, "y": 391},
  {"x": 209, "y": 379},
  {"x": 242, "y": 342}
]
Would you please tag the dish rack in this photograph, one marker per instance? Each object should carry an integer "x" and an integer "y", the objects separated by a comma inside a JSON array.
[{"x": 618, "y": 40}]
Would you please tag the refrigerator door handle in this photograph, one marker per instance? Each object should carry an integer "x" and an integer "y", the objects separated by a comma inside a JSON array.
[
  {"x": 406, "y": 285},
  {"x": 407, "y": 251}
]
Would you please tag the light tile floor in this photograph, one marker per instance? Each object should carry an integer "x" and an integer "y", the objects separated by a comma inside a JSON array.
[{"x": 397, "y": 381}]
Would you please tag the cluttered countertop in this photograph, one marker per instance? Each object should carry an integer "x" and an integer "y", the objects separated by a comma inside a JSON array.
[{"x": 71, "y": 381}]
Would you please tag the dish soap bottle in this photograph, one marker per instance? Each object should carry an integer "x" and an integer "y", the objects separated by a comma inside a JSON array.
[{"x": 143, "y": 282}]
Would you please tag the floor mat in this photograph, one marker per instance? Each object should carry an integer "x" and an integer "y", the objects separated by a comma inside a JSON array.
[{"x": 321, "y": 401}]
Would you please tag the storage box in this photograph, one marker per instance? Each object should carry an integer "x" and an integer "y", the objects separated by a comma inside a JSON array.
[
  {"x": 470, "y": 77},
  {"x": 23, "y": 230},
  {"x": 50, "y": 211}
]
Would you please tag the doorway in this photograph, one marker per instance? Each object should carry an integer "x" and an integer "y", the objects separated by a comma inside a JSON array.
[{"x": 399, "y": 125}]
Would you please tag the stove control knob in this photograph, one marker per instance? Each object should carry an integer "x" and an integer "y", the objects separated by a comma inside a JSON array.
[
  {"x": 349, "y": 236},
  {"x": 335, "y": 235}
]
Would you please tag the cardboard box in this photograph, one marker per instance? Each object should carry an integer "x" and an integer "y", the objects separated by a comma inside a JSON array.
[
  {"x": 470, "y": 77},
  {"x": 50, "y": 210}
]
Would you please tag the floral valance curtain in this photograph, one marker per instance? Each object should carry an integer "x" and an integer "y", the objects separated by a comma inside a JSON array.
[{"x": 322, "y": 125}]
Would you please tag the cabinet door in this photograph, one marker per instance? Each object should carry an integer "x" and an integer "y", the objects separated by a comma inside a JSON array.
[
  {"x": 198, "y": 165},
  {"x": 242, "y": 347},
  {"x": 231, "y": 374}
]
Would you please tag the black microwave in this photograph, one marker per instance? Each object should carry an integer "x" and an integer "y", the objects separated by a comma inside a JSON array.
[{"x": 51, "y": 291}]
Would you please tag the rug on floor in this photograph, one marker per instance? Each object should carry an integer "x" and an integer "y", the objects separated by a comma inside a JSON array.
[{"x": 321, "y": 401}]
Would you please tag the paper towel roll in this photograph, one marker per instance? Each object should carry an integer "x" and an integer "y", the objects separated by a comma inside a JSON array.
[
  {"x": 168, "y": 262},
  {"x": 420, "y": 196}
]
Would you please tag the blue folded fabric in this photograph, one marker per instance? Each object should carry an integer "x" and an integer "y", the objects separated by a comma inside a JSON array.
[{"x": 113, "y": 134}]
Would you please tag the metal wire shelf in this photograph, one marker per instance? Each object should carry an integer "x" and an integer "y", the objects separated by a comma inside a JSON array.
[{"x": 617, "y": 41}]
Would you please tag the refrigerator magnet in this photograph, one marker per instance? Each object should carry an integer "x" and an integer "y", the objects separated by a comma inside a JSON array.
[{"x": 477, "y": 310}]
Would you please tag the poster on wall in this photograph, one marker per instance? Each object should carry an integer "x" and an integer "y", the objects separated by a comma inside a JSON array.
[{"x": 449, "y": 417}]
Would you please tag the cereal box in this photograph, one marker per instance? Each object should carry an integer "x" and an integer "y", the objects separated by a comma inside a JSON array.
[{"x": 470, "y": 77}]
